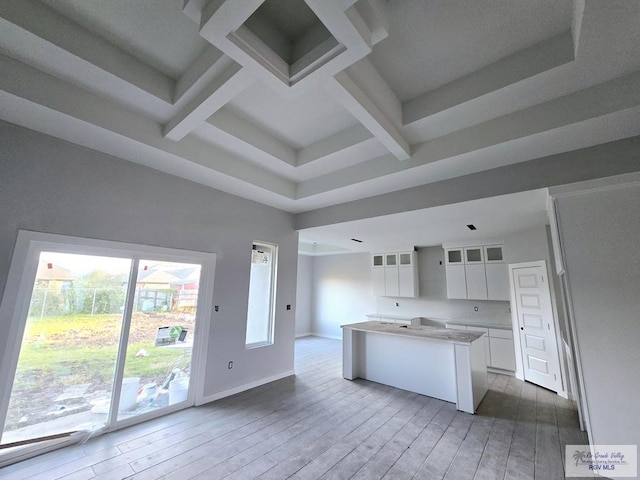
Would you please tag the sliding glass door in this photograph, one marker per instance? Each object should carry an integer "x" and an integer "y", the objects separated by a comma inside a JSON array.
[
  {"x": 104, "y": 337},
  {"x": 69, "y": 348},
  {"x": 158, "y": 350}
]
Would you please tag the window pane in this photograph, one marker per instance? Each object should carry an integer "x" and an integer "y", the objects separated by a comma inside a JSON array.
[
  {"x": 261, "y": 294},
  {"x": 158, "y": 361},
  {"x": 68, "y": 354}
]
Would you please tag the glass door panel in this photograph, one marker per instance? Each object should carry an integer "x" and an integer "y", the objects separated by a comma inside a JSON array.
[
  {"x": 65, "y": 371},
  {"x": 159, "y": 346}
]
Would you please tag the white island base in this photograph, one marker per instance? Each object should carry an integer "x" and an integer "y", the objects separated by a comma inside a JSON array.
[{"x": 445, "y": 364}]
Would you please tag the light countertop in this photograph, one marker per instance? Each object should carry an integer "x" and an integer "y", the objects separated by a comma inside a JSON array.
[{"x": 429, "y": 333}]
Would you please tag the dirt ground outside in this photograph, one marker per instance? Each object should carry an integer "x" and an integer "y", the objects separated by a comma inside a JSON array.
[{"x": 67, "y": 362}]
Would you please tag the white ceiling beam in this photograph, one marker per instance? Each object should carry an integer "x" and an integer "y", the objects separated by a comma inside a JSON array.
[
  {"x": 43, "y": 103},
  {"x": 335, "y": 143},
  {"x": 374, "y": 13},
  {"x": 588, "y": 163},
  {"x": 599, "y": 114},
  {"x": 576, "y": 23},
  {"x": 201, "y": 72},
  {"x": 507, "y": 71},
  {"x": 362, "y": 91},
  {"x": 61, "y": 47},
  {"x": 224, "y": 87},
  {"x": 246, "y": 135}
]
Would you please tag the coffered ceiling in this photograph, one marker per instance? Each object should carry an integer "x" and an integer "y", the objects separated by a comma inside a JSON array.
[{"x": 305, "y": 104}]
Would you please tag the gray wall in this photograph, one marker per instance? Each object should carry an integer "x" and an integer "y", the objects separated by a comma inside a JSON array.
[
  {"x": 303, "y": 295},
  {"x": 529, "y": 245},
  {"x": 599, "y": 232},
  {"x": 341, "y": 292},
  {"x": 48, "y": 185}
]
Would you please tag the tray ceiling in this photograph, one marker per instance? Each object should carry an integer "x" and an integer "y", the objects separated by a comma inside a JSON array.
[{"x": 305, "y": 104}]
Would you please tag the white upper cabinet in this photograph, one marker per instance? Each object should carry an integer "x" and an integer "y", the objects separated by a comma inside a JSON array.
[
  {"x": 477, "y": 272},
  {"x": 456, "y": 282},
  {"x": 394, "y": 274}
]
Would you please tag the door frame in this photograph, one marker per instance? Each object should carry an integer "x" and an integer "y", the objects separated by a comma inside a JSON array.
[
  {"x": 22, "y": 271},
  {"x": 516, "y": 324}
]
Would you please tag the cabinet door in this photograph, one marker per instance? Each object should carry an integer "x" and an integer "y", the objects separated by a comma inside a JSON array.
[
  {"x": 497, "y": 281},
  {"x": 456, "y": 282},
  {"x": 391, "y": 282},
  {"x": 476, "y": 282},
  {"x": 377, "y": 282},
  {"x": 502, "y": 354},
  {"x": 493, "y": 254},
  {"x": 473, "y": 255},
  {"x": 407, "y": 282},
  {"x": 406, "y": 259},
  {"x": 454, "y": 256}
]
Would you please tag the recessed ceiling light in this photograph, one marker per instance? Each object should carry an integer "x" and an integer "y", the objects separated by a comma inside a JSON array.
[
  {"x": 356, "y": 240},
  {"x": 471, "y": 226}
]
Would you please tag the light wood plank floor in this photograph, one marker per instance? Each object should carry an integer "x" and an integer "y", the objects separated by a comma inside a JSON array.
[{"x": 318, "y": 425}]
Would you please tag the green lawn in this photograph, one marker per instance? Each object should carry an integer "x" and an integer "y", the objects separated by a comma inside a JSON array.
[{"x": 63, "y": 351}]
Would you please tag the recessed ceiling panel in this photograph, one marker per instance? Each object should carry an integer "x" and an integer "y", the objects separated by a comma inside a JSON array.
[
  {"x": 457, "y": 37},
  {"x": 156, "y": 32},
  {"x": 299, "y": 121}
]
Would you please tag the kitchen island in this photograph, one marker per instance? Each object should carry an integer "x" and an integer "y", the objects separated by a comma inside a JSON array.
[{"x": 437, "y": 362}]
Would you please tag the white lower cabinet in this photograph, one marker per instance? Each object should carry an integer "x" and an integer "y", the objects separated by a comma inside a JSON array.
[
  {"x": 499, "y": 347},
  {"x": 502, "y": 349}
]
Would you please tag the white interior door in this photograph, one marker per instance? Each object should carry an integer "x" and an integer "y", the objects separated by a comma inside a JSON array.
[{"x": 537, "y": 330}]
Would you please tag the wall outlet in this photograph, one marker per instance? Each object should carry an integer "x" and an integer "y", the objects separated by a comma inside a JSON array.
[
  {"x": 216, "y": 308},
  {"x": 288, "y": 307},
  {"x": 230, "y": 366},
  {"x": 397, "y": 304}
]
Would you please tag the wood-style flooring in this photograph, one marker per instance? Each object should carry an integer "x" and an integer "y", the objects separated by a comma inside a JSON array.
[{"x": 318, "y": 425}]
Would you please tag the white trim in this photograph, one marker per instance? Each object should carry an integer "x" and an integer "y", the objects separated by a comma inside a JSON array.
[
  {"x": 473, "y": 243},
  {"x": 242, "y": 388},
  {"x": 307, "y": 334},
  {"x": 606, "y": 183},
  {"x": 519, "y": 373},
  {"x": 322, "y": 335}
]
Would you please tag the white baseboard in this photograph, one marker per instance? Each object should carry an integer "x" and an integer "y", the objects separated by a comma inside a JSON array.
[
  {"x": 242, "y": 388},
  {"x": 307, "y": 334},
  {"x": 322, "y": 335}
]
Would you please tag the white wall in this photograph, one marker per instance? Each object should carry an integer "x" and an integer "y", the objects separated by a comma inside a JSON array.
[
  {"x": 48, "y": 185},
  {"x": 303, "y": 295},
  {"x": 341, "y": 292},
  {"x": 599, "y": 231}
]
